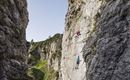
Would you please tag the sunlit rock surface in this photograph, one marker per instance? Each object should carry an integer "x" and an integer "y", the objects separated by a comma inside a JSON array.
[{"x": 103, "y": 43}]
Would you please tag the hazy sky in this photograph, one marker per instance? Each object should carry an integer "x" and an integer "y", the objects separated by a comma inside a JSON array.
[{"x": 46, "y": 17}]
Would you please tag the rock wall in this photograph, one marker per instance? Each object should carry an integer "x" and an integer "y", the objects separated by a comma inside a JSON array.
[
  {"x": 98, "y": 32},
  {"x": 79, "y": 19},
  {"x": 13, "y": 22},
  {"x": 107, "y": 51}
]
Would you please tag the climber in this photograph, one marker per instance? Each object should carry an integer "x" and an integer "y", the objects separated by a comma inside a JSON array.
[
  {"x": 77, "y": 62},
  {"x": 77, "y": 34}
]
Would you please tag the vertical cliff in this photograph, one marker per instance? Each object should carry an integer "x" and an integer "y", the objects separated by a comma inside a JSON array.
[
  {"x": 107, "y": 51},
  {"x": 98, "y": 32},
  {"x": 80, "y": 23},
  {"x": 13, "y": 22},
  {"x": 45, "y": 58}
]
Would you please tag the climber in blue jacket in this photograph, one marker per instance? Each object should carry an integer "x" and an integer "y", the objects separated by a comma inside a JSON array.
[{"x": 77, "y": 62}]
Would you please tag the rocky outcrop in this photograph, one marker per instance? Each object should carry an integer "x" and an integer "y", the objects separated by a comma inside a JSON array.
[
  {"x": 47, "y": 54},
  {"x": 98, "y": 32},
  {"x": 107, "y": 51},
  {"x": 79, "y": 25},
  {"x": 13, "y": 22},
  {"x": 73, "y": 41}
]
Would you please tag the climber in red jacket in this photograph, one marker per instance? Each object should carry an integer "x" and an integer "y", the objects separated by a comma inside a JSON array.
[{"x": 77, "y": 34}]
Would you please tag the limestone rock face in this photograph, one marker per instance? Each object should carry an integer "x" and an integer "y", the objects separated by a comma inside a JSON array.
[
  {"x": 79, "y": 25},
  {"x": 98, "y": 32},
  {"x": 13, "y": 22}
]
